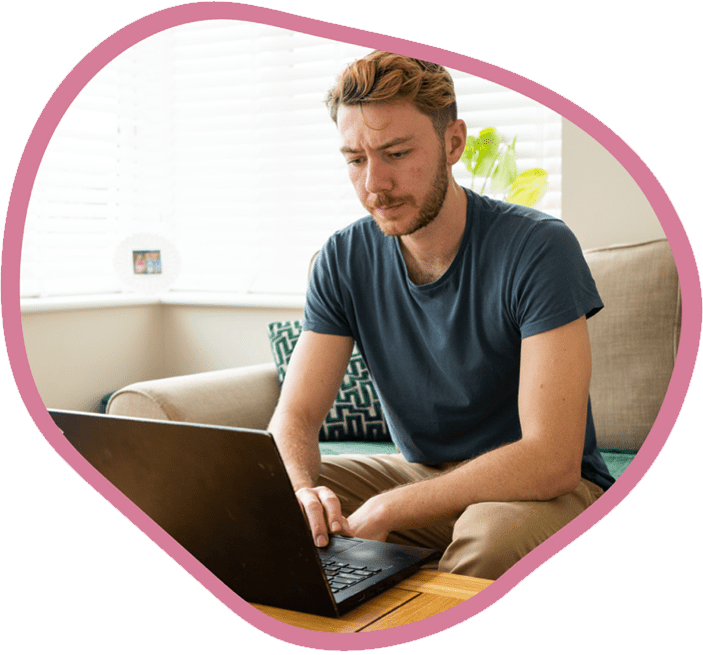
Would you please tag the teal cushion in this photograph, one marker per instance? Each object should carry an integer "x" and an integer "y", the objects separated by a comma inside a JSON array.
[
  {"x": 357, "y": 448},
  {"x": 104, "y": 401},
  {"x": 617, "y": 459},
  {"x": 356, "y": 414}
]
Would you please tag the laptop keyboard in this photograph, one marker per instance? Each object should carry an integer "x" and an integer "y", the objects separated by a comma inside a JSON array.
[{"x": 341, "y": 575}]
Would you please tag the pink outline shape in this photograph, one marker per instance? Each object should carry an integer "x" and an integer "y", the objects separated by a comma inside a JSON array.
[{"x": 167, "y": 18}]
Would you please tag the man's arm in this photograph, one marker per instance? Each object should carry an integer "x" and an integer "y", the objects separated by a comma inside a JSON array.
[
  {"x": 555, "y": 372},
  {"x": 315, "y": 373}
]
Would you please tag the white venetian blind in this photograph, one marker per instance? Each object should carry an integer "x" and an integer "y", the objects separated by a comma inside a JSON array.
[
  {"x": 72, "y": 211},
  {"x": 215, "y": 134}
]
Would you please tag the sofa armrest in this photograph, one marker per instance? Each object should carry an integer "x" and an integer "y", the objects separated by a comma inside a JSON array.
[{"x": 243, "y": 397}]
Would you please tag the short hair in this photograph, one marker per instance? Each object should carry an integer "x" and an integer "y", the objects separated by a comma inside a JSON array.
[{"x": 386, "y": 77}]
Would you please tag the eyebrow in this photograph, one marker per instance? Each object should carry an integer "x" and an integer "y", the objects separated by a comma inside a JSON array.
[{"x": 389, "y": 144}]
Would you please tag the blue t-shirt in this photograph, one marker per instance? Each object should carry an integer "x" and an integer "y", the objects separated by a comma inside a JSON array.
[{"x": 445, "y": 356}]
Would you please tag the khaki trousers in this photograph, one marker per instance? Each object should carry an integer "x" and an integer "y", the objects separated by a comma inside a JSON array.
[{"x": 484, "y": 540}]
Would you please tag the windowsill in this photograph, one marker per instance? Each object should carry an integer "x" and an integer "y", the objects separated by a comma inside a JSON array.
[
  {"x": 259, "y": 300},
  {"x": 67, "y": 303}
]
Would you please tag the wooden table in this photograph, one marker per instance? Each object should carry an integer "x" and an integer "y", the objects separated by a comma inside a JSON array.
[{"x": 424, "y": 594}]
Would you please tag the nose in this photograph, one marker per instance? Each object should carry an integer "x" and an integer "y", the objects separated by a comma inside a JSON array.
[{"x": 378, "y": 176}]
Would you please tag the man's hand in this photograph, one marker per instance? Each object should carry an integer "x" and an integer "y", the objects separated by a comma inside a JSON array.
[
  {"x": 369, "y": 521},
  {"x": 324, "y": 513}
]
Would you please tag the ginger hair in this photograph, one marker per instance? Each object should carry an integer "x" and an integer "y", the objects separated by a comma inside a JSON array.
[{"x": 387, "y": 77}]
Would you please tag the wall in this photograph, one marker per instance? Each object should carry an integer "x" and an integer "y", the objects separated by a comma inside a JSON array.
[
  {"x": 211, "y": 338},
  {"x": 78, "y": 356},
  {"x": 601, "y": 203}
]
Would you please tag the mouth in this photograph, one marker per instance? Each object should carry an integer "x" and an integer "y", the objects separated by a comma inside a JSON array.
[{"x": 386, "y": 210}]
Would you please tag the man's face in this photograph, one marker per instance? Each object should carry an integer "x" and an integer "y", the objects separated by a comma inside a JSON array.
[{"x": 396, "y": 162}]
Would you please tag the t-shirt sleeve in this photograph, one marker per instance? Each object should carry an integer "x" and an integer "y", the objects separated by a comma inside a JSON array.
[
  {"x": 553, "y": 284},
  {"x": 324, "y": 307}
]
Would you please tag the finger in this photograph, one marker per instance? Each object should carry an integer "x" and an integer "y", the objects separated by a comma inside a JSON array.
[
  {"x": 336, "y": 523},
  {"x": 315, "y": 513}
]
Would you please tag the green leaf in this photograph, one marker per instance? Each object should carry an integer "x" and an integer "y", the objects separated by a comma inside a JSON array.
[
  {"x": 470, "y": 153},
  {"x": 505, "y": 171},
  {"x": 488, "y": 146},
  {"x": 529, "y": 187}
]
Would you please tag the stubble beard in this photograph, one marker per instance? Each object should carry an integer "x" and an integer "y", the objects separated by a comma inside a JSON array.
[{"x": 428, "y": 211}]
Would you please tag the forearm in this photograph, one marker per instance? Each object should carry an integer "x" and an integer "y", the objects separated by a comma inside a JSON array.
[
  {"x": 297, "y": 441},
  {"x": 315, "y": 373},
  {"x": 298, "y": 444},
  {"x": 517, "y": 471},
  {"x": 555, "y": 369}
]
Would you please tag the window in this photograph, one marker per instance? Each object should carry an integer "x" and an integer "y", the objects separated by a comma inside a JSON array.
[{"x": 215, "y": 135}]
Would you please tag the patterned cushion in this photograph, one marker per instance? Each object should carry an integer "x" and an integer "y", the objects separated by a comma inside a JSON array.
[{"x": 356, "y": 413}]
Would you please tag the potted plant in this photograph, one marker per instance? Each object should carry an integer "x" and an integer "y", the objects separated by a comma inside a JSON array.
[{"x": 490, "y": 157}]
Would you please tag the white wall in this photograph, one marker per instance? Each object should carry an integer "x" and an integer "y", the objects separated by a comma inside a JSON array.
[
  {"x": 601, "y": 202},
  {"x": 78, "y": 356},
  {"x": 211, "y": 338}
]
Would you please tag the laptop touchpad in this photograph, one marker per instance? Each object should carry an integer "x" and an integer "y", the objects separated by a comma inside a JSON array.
[{"x": 338, "y": 545}]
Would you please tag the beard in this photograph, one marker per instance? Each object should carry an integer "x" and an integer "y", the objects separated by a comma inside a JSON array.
[{"x": 427, "y": 211}]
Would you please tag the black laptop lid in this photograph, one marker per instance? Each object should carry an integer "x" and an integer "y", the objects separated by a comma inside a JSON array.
[{"x": 191, "y": 482}]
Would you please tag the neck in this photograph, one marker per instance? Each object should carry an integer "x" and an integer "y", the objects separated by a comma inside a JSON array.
[{"x": 429, "y": 252}]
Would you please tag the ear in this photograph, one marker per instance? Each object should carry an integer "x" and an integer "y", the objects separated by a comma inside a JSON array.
[{"x": 455, "y": 141}]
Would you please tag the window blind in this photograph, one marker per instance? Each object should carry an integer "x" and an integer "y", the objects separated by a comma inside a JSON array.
[
  {"x": 72, "y": 210},
  {"x": 215, "y": 134}
]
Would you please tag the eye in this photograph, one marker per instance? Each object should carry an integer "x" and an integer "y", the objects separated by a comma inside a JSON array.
[{"x": 398, "y": 154}]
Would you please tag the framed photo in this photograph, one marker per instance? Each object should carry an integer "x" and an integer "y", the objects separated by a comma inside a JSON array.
[{"x": 146, "y": 262}]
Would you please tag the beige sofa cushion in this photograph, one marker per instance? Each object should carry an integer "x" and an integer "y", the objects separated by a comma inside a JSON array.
[{"x": 634, "y": 339}]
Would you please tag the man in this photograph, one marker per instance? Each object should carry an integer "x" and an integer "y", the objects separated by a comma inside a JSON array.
[{"x": 471, "y": 316}]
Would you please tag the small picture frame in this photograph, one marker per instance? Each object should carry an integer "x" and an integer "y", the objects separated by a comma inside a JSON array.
[{"x": 146, "y": 262}]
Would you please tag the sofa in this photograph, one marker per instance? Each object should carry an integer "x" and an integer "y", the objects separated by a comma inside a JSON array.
[{"x": 634, "y": 342}]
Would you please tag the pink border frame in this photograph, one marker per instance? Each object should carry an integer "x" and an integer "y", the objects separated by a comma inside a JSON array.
[{"x": 167, "y": 18}]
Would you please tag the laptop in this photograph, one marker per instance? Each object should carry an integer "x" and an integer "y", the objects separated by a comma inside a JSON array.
[{"x": 224, "y": 495}]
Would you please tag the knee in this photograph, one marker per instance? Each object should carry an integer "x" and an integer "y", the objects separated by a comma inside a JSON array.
[{"x": 488, "y": 539}]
